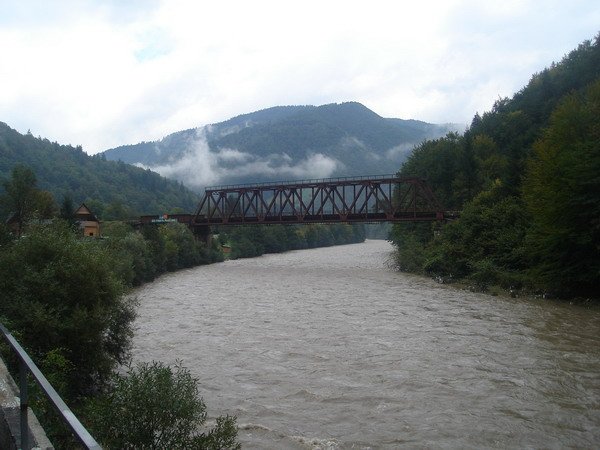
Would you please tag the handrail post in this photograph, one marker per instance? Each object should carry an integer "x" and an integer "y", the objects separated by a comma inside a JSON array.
[
  {"x": 65, "y": 414},
  {"x": 24, "y": 405}
]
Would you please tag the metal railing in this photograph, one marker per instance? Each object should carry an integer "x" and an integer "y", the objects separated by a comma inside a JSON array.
[
  {"x": 65, "y": 414},
  {"x": 299, "y": 182}
]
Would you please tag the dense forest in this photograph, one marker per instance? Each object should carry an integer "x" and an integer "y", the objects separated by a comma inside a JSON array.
[
  {"x": 525, "y": 177},
  {"x": 250, "y": 241},
  {"x": 113, "y": 190}
]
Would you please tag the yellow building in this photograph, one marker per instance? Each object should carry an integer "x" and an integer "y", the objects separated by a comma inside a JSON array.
[{"x": 88, "y": 222}]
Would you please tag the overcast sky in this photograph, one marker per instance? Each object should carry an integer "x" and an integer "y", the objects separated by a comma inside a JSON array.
[{"x": 106, "y": 73}]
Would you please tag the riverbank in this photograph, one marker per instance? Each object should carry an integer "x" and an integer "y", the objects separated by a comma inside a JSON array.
[
  {"x": 495, "y": 290},
  {"x": 251, "y": 241},
  {"x": 499, "y": 291},
  {"x": 141, "y": 256},
  {"x": 412, "y": 254}
]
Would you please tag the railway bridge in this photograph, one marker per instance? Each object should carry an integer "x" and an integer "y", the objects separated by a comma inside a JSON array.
[
  {"x": 382, "y": 198},
  {"x": 386, "y": 198}
]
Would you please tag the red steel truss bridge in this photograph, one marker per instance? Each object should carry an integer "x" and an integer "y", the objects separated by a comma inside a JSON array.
[{"x": 384, "y": 198}]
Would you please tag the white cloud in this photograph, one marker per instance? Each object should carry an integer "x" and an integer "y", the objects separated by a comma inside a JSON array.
[
  {"x": 197, "y": 168},
  {"x": 104, "y": 74},
  {"x": 400, "y": 151},
  {"x": 231, "y": 155},
  {"x": 200, "y": 167}
]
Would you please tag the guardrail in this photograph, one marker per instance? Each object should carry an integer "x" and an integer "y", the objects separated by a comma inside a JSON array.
[
  {"x": 66, "y": 415},
  {"x": 296, "y": 182}
]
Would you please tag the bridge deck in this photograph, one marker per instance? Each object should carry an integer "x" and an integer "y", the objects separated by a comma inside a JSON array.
[{"x": 302, "y": 183}]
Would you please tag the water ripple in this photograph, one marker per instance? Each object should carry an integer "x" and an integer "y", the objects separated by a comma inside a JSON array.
[{"x": 330, "y": 349}]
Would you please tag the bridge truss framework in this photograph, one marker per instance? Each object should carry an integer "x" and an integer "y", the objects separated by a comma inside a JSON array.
[{"x": 386, "y": 198}]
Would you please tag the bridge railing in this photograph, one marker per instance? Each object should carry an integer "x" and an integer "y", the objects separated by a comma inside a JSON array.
[
  {"x": 66, "y": 415},
  {"x": 300, "y": 182}
]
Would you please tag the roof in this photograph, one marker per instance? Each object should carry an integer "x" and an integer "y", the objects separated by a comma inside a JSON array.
[{"x": 85, "y": 213}]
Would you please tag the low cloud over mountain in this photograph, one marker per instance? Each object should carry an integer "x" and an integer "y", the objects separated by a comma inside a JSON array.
[
  {"x": 198, "y": 166},
  {"x": 283, "y": 143}
]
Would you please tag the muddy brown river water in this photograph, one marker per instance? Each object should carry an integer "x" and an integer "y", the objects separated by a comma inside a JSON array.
[{"x": 330, "y": 349}]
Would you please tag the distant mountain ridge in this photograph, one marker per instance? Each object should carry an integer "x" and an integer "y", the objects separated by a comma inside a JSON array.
[{"x": 283, "y": 142}]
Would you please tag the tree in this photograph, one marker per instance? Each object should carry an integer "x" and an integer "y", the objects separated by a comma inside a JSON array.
[
  {"x": 410, "y": 240},
  {"x": 67, "y": 210},
  {"x": 21, "y": 195},
  {"x": 485, "y": 244},
  {"x": 562, "y": 193},
  {"x": 65, "y": 289},
  {"x": 181, "y": 249},
  {"x": 155, "y": 406},
  {"x": 45, "y": 206},
  {"x": 438, "y": 161}
]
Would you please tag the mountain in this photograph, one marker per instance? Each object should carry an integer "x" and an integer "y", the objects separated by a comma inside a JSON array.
[
  {"x": 111, "y": 189},
  {"x": 283, "y": 142}
]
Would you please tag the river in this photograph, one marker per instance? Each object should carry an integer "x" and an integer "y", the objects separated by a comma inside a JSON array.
[{"x": 330, "y": 349}]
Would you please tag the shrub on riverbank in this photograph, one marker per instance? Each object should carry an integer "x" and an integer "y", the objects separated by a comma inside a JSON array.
[
  {"x": 142, "y": 256},
  {"x": 157, "y": 406},
  {"x": 62, "y": 296}
]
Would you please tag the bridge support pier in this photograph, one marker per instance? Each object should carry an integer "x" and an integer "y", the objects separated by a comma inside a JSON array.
[{"x": 203, "y": 233}]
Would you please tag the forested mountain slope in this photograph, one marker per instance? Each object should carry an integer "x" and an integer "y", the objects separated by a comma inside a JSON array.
[
  {"x": 526, "y": 176},
  {"x": 284, "y": 142},
  {"x": 111, "y": 189}
]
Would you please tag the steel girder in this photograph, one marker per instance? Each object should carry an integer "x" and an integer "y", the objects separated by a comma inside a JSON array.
[{"x": 364, "y": 199}]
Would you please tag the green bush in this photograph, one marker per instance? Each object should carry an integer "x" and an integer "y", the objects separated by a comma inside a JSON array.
[
  {"x": 60, "y": 292},
  {"x": 484, "y": 273},
  {"x": 155, "y": 406}
]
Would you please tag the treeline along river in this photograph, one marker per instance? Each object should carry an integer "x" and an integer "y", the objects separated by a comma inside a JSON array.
[{"x": 329, "y": 348}]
